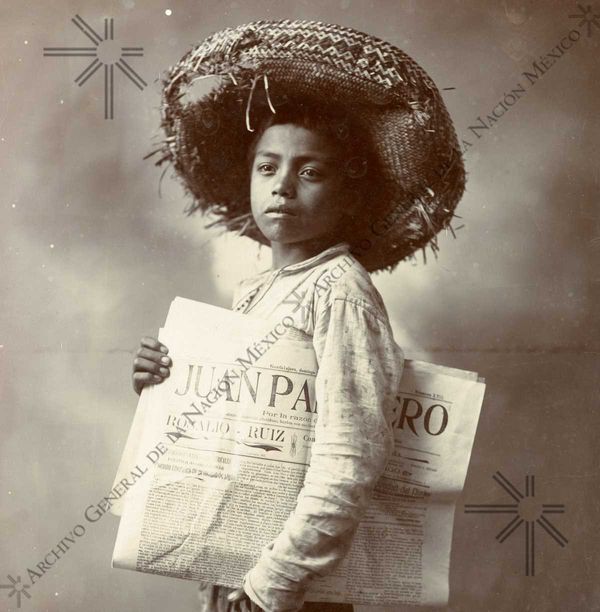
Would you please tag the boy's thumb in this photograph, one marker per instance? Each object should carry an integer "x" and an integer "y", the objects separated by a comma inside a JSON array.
[{"x": 235, "y": 594}]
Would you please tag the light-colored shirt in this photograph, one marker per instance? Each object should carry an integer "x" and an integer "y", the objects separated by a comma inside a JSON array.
[{"x": 360, "y": 365}]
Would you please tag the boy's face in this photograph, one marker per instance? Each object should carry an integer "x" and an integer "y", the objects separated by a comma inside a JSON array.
[{"x": 297, "y": 187}]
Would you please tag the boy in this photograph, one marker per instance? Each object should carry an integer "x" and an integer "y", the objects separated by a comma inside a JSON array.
[{"x": 314, "y": 183}]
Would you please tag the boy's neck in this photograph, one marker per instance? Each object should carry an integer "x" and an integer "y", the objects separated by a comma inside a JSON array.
[{"x": 288, "y": 254}]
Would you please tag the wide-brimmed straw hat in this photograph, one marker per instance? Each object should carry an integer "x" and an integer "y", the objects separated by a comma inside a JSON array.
[{"x": 261, "y": 66}]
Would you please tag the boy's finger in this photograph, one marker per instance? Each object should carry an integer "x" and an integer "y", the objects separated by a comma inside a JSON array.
[
  {"x": 155, "y": 356},
  {"x": 145, "y": 365},
  {"x": 146, "y": 378},
  {"x": 154, "y": 344},
  {"x": 142, "y": 379},
  {"x": 236, "y": 595}
]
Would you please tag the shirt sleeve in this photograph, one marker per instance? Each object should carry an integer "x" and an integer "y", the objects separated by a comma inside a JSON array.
[{"x": 360, "y": 367}]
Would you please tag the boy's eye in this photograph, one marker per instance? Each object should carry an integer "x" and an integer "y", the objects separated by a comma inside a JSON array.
[
  {"x": 312, "y": 173},
  {"x": 264, "y": 167}
]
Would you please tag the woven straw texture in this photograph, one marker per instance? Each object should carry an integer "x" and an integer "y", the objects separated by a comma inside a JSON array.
[{"x": 260, "y": 66}]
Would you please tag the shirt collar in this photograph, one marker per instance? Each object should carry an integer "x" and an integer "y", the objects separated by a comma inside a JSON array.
[{"x": 329, "y": 253}]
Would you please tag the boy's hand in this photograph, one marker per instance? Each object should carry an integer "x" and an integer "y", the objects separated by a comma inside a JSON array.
[
  {"x": 151, "y": 365},
  {"x": 242, "y": 602}
]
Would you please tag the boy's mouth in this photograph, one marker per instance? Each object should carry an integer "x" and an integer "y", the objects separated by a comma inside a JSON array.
[{"x": 280, "y": 210}]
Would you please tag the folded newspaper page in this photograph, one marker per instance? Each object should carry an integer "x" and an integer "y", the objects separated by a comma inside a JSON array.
[{"x": 217, "y": 453}]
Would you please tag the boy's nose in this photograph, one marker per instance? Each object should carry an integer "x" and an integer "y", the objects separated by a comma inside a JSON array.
[{"x": 283, "y": 185}]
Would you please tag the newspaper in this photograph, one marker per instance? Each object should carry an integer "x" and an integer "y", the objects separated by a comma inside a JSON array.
[{"x": 208, "y": 478}]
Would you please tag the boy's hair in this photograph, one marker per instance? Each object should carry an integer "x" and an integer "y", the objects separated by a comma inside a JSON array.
[{"x": 340, "y": 128}]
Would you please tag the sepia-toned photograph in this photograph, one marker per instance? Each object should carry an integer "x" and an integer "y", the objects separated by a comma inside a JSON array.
[{"x": 300, "y": 306}]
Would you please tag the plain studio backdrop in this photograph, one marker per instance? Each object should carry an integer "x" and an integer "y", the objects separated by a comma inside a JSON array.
[{"x": 92, "y": 257}]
